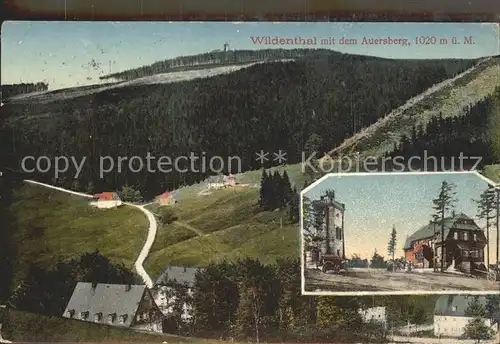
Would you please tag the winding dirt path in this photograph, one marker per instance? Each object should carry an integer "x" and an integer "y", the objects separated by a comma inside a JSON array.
[{"x": 152, "y": 229}]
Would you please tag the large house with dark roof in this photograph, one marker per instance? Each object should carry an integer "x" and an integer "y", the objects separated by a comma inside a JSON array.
[
  {"x": 130, "y": 306},
  {"x": 463, "y": 244},
  {"x": 450, "y": 316}
]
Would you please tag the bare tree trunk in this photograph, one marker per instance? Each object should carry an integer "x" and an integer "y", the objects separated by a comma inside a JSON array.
[
  {"x": 498, "y": 224},
  {"x": 442, "y": 240},
  {"x": 487, "y": 241}
]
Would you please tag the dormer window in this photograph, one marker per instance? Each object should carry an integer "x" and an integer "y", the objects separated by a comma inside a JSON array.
[
  {"x": 97, "y": 317},
  {"x": 123, "y": 318},
  {"x": 112, "y": 318},
  {"x": 70, "y": 313},
  {"x": 84, "y": 315}
]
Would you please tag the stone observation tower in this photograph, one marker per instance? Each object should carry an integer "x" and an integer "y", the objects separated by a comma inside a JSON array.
[{"x": 333, "y": 230}]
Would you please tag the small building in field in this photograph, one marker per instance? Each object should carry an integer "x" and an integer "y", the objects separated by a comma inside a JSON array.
[
  {"x": 216, "y": 186},
  {"x": 450, "y": 317},
  {"x": 230, "y": 180},
  {"x": 106, "y": 200},
  {"x": 374, "y": 315},
  {"x": 463, "y": 244},
  {"x": 130, "y": 306},
  {"x": 166, "y": 198}
]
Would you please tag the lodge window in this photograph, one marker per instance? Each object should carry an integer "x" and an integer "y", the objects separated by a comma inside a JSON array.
[
  {"x": 474, "y": 254},
  {"x": 454, "y": 309},
  {"x": 465, "y": 253},
  {"x": 455, "y": 235},
  {"x": 466, "y": 236},
  {"x": 475, "y": 237}
]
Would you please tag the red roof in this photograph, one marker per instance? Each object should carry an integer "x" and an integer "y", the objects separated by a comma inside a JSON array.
[{"x": 106, "y": 196}]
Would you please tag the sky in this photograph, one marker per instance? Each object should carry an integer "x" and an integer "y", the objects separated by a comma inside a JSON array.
[
  {"x": 60, "y": 53},
  {"x": 375, "y": 203}
]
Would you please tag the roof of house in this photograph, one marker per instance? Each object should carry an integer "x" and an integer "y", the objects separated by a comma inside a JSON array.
[
  {"x": 431, "y": 229},
  {"x": 107, "y": 299},
  {"x": 445, "y": 304},
  {"x": 107, "y": 196},
  {"x": 177, "y": 273}
]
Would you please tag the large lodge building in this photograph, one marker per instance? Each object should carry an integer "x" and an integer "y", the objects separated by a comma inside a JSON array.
[{"x": 463, "y": 244}]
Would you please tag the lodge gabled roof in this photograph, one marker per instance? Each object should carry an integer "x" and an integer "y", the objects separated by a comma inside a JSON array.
[{"x": 460, "y": 221}]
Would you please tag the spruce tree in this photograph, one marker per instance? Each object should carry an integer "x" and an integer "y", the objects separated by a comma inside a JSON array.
[
  {"x": 288, "y": 193},
  {"x": 486, "y": 206},
  {"x": 264, "y": 190},
  {"x": 276, "y": 191},
  {"x": 294, "y": 207},
  {"x": 443, "y": 204}
]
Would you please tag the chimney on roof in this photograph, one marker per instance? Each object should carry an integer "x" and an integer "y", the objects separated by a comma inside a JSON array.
[
  {"x": 94, "y": 285},
  {"x": 128, "y": 287},
  {"x": 185, "y": 269},
  {"x": 453, "y": 214}
]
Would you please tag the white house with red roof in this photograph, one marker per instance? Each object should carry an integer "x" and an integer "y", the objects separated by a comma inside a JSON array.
[
  {"x": 230, "y": 180},
  {"x": 106, "y": 200},
  {"x": 166, "y": 198}
]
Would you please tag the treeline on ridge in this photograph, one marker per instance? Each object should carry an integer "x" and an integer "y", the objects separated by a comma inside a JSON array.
[
  {"x": 214, "y": 58},
  {"x": 16, "y": 89},
  {"x": 314, "y": 102}
]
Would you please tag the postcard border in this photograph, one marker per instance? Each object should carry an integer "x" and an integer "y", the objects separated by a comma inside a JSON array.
[{"x": 380, "y": 293}]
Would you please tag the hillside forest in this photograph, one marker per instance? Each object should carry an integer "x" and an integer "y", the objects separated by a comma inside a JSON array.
[{"x": 311, "y": 104}]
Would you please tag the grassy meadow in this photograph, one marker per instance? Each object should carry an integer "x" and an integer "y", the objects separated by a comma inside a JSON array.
[{"x": 51, "y": 226}]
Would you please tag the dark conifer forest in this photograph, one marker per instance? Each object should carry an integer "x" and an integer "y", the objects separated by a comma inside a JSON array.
[
  {"x": 324, "y": 96},
  {"x": 465, "y": 135},
  {"x": 16, "y": 89}
]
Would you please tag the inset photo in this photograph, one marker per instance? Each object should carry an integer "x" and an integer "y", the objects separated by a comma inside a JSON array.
[{"x": 400, "y": 233}]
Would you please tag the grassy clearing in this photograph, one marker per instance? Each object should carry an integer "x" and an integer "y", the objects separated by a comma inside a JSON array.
[
  {"x": 380, "y": 137},
  {"x": 227, "y": 224},
  {"x": 53, "y": 226},
  {"x": 28, "y": 327},
  {"x": 252, "y": 178},
  {"x": 492, "y": 172}
]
